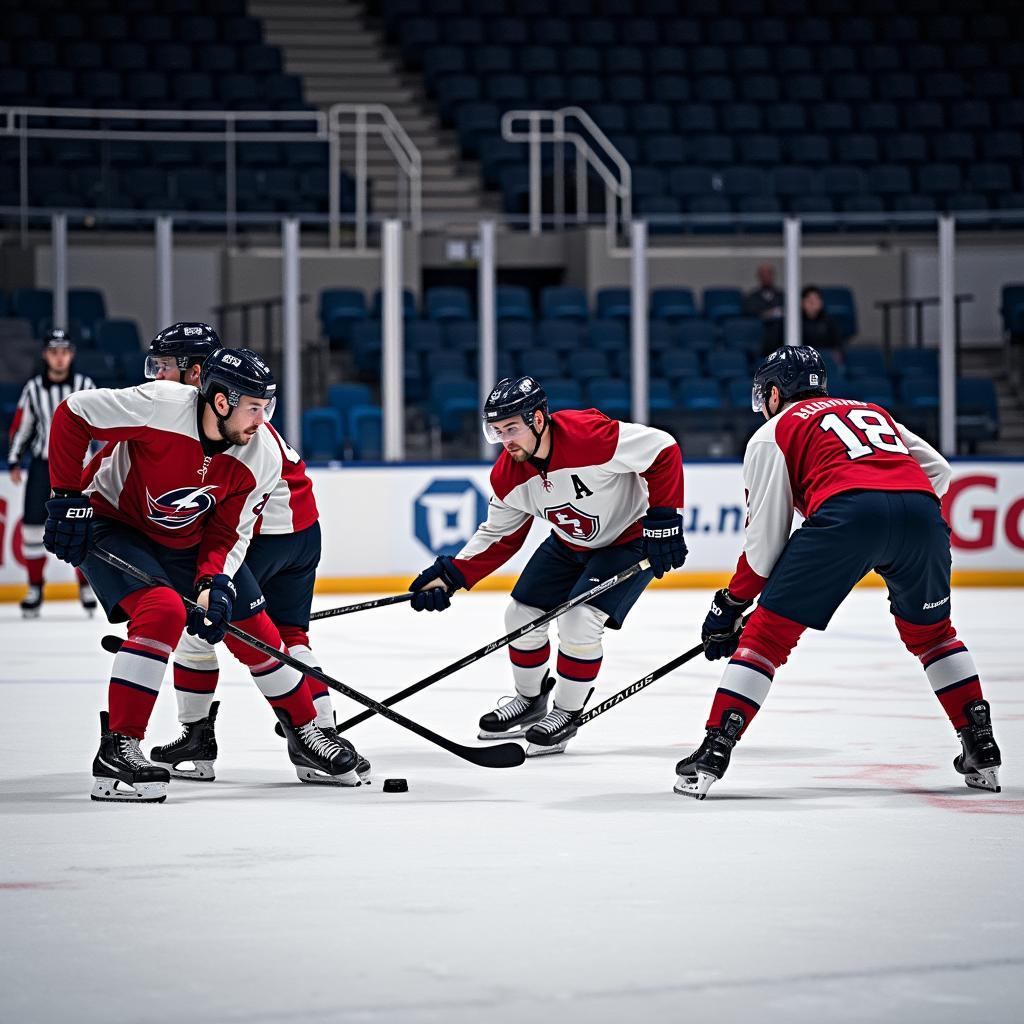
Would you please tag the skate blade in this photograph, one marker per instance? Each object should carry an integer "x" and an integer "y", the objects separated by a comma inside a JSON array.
[
  {"x": 537, "y": 750},
  {"x": 201, "y": 772},
  {"x": 113, "y": 790},
  {"x": 30, "y": 613},
  {"x": 695, "y": 787},
  {"x": 350, "y": 778},
  {"x": 363, "y": 770},
  {"x": 985, "y": 778},
  {"x": 512, "y": 734}
]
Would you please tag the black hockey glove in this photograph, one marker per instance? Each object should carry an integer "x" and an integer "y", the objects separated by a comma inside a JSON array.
[
  {"x": 211, "y": 625},
  {"x": 436, "y": 599},
  {"x": 720, "y": 633},
  {"x": 68, "y": 526},
  {"x": 664, "y": 546}
]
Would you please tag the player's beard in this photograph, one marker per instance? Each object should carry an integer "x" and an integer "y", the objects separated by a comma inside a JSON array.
[
  {"x": 232, "y": 436},
  {"x": 519, "y": 455}
]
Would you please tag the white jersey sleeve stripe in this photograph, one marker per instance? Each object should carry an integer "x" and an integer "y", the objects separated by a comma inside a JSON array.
[{"x": 769, "y": 504}]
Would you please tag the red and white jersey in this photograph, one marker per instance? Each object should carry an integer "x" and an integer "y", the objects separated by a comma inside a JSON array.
[
  {"x": 162, "y": 476},
  {"x": 601, "y": 478},
  {"x": 816, "y": 448},
  {"x": 291, "y": 506}
]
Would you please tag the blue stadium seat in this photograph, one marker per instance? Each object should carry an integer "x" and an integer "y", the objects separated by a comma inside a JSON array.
[
  {"x": 101, "y": 366},
  {"x": 696, "y": 117},
  {"x": 613, "y": 303},
  {"x": 366, "y": 432},
  {"x": 344, "y": 397},
  {"x": 700, "y": 394},
  {"x": 742, "y": 118},
  {"x": 446, "y": 304},
  {"x": 1011, "y": 308},
  {"x": 443, "y": 363},
  {"x": 322, "y": 433},
  {"x": 563, "y": 303},
  {"x": 540, "y": 363},
  {"x": 118, "y": 336},
  {"x": 34, "y": 305},
  {"x": 915, "y": 362},
  {"x": 760, "y": 149},
  {"x": 878, "y": 117},
  {"x": 698, "y": 334},
  {"x": 608, "y": 335},
  {"x": 856, "y": 149},
  {"x": 339, "y": 309},
  {"x": 920, "y": 392},
  {"x": 953, "y": 147},
  {"x": 563, "y": 393},
  {"x": 513, "y": 303},
  {"x": 86, "y": 306},
  {"x": 560, "y": 335},
  {"x": 610, "y": 395},
  {"x": 725, "y": 363},
  {"x": 977, "y": 410},
  {"x": 873, "y": 389},
  {"x": 672, "y": 304},
  {"x": 865, "y": 362},
  {"x": 939, "y": 179},
  {"x": 462, "y": 336},
  {"x": 722, "y": 303},
  {"x": 906, "y": 148},
  {"x": 691, "y": 181},
  {"x": 745, "y": 334},
  {"x": 841, "y": 306},
  {"x": 587, "y": 364},
  {"x": 515, "y": 335}
]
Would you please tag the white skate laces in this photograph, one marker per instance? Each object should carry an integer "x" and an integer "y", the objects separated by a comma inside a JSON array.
[
  {"x": 318, "y": 742},
  {"x": 554, "y": 720},
  {"x": 129, "y": 750},
  {"x": 513, "y": 706}
]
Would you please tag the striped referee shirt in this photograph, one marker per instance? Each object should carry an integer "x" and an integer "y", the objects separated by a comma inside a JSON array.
[{"x": 39, "y": 400}]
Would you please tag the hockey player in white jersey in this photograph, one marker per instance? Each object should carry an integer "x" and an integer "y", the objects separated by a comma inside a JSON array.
[{"x": 613, "y": 494}]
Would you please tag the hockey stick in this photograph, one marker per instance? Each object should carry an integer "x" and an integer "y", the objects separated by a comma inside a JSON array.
[
  {"x": 363, "y": 606},
  {"x": 505, "y": 755},
  {"x": 640, "y": 684},
  {"x": 112, "y": 643},
  {"x": 504, "y": 641}
]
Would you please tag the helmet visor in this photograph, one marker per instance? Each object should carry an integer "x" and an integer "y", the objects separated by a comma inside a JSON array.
[
  {"x": 515, "y": 431},
  {"x": 756, "y": 399},
  {"x": 161, "y": 367}
]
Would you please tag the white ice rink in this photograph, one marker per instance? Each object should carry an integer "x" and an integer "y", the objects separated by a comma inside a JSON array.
[{"x": 840, "y": 872}]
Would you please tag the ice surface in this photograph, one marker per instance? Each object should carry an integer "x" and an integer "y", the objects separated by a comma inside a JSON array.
[{"x": 840, "y": 872}]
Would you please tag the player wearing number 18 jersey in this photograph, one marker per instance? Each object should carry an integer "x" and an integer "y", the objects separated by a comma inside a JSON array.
[{"x": 869, "y": 490}]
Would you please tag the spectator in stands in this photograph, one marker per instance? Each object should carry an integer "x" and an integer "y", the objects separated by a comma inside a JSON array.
[
  {"x": 768, "y": 304},
  {"x": 817, "y": 328}
]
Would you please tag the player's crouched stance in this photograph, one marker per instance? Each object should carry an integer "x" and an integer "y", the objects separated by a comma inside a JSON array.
[
  {"x": 176, "y": 494},
  {"x": 869, "y": 489},
  {"x": 612, "y": 494}
]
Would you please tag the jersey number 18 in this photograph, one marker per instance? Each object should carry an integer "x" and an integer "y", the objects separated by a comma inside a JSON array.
[{"x": 874, "y": 433}]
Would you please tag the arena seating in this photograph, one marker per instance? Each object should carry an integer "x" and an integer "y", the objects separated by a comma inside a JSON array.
[
  {"x": 701, "y": 359},
  {"x": 154, "y": 55},
  {"x": 743, "y": 106}
]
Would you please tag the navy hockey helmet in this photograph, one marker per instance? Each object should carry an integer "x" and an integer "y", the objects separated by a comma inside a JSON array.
[
  {"x": 186, "y": 342},
  {"x": 793, "y": 369},
  {"x": 57, "y": 338},
  {"x": 510, "y": 397},
  {"x": 235, "y": 372}
]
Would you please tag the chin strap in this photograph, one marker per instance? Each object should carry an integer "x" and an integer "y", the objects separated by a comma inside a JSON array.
[{"x": 538, "y": 435}]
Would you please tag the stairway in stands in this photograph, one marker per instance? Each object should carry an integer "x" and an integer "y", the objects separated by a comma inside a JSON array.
[
  {"x": 992, "y": 362},
  {"x": 344, "y": 59}
]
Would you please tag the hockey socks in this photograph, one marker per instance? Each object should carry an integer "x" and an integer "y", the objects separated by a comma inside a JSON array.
[
  {"x": 297, "y": 642},
  {"x": 529, "y": 668},
  {"x": 156, "y": 621},
  {"x": 283, "y": 686},
  {"x": 948, "y": 665},
  {"x": 576, "y": 674},
  {"x": 194, "y": 687}
]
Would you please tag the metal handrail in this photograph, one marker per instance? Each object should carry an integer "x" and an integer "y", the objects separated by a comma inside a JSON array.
[
  {"x": 319, "y": 126},
  {"x": 605, "y": 159}
]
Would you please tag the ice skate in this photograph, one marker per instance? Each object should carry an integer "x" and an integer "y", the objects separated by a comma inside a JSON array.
[
  {"x": 197, "y": 745},
  {"x": 980, "y": 760},
  {"x": 120, "y": 772},
  {"x": 511, "y": 719},
  {"x": 363, "y": 768},
  {"x": 707, "y": 764},
  {"x": 317, "y": 757},
  {"x": 552, "y": 733},
  {"x": 32, "y": 602},
  {"x": 87, "y": 598}
]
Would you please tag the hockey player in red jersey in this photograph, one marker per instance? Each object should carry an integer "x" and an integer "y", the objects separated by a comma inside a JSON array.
[
  {"x": 283, "y": 556},
  {"x": 613, "y": 495},
  {"x": 177, "y": 494},
  {"x": 870, "y": 491}
]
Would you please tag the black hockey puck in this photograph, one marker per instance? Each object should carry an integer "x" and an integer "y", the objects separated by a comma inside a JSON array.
[{"x": 396, "y": 786}]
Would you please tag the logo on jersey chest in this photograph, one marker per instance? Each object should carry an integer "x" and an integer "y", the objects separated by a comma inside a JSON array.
[
  {"x": 181, "y": 507},
  {"x": 576, "y": 525}
]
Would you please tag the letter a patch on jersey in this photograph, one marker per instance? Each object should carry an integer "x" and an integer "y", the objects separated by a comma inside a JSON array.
[
  {"x": 576, "y": 525},
  {"x": 180, "y": 507},
  {"x": 582, "y": 490}
]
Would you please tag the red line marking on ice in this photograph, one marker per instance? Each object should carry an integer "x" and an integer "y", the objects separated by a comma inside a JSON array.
[{"x": 29, "y": 885}]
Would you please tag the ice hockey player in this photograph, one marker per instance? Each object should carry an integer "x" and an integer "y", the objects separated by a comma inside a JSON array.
[
  {"x": 30, "y": 432},
  {"x": 870, "y": 492},
  {"x": 613, "y": 493},
  {"x": 178, "y": 496},
  {"x": 283, "y": 556}
]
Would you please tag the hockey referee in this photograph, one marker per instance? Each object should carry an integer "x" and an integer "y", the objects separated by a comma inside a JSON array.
[{"x": 30, "y": 434}]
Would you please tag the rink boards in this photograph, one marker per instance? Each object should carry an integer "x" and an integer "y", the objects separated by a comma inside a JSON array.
[{"x": 382, "y": 524}]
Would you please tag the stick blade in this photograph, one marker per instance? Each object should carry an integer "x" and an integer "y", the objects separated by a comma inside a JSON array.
[{"x": 501, "y": 755}]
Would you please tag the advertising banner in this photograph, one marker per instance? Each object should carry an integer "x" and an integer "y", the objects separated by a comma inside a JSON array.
[{"x": 382, "y": 525}]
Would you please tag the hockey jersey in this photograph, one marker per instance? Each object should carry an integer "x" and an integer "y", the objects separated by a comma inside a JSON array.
[
  {"x": 164, "y": 477},
  {"x": 291, "y": 506},
  {"x": 816, "y": 448},
  {"x": 601, "y": 477},
  {"x": 30, "y": 428}
]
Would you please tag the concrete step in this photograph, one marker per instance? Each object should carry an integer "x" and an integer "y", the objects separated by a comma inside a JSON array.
[{"x": 324, "y": 95}]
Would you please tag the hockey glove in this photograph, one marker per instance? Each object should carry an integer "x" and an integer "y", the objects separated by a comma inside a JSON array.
[
  {"x": 664, "y": 546},
  {"x": 211, "y": 624},
  {"x": 68, "y": 526},
  {"x": 720, "y": 633},
  {"x": 436, "y": 599}
]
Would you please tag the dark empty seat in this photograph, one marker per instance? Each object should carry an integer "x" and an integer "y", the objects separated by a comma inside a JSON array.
[{"x": 939, "y": 179}]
